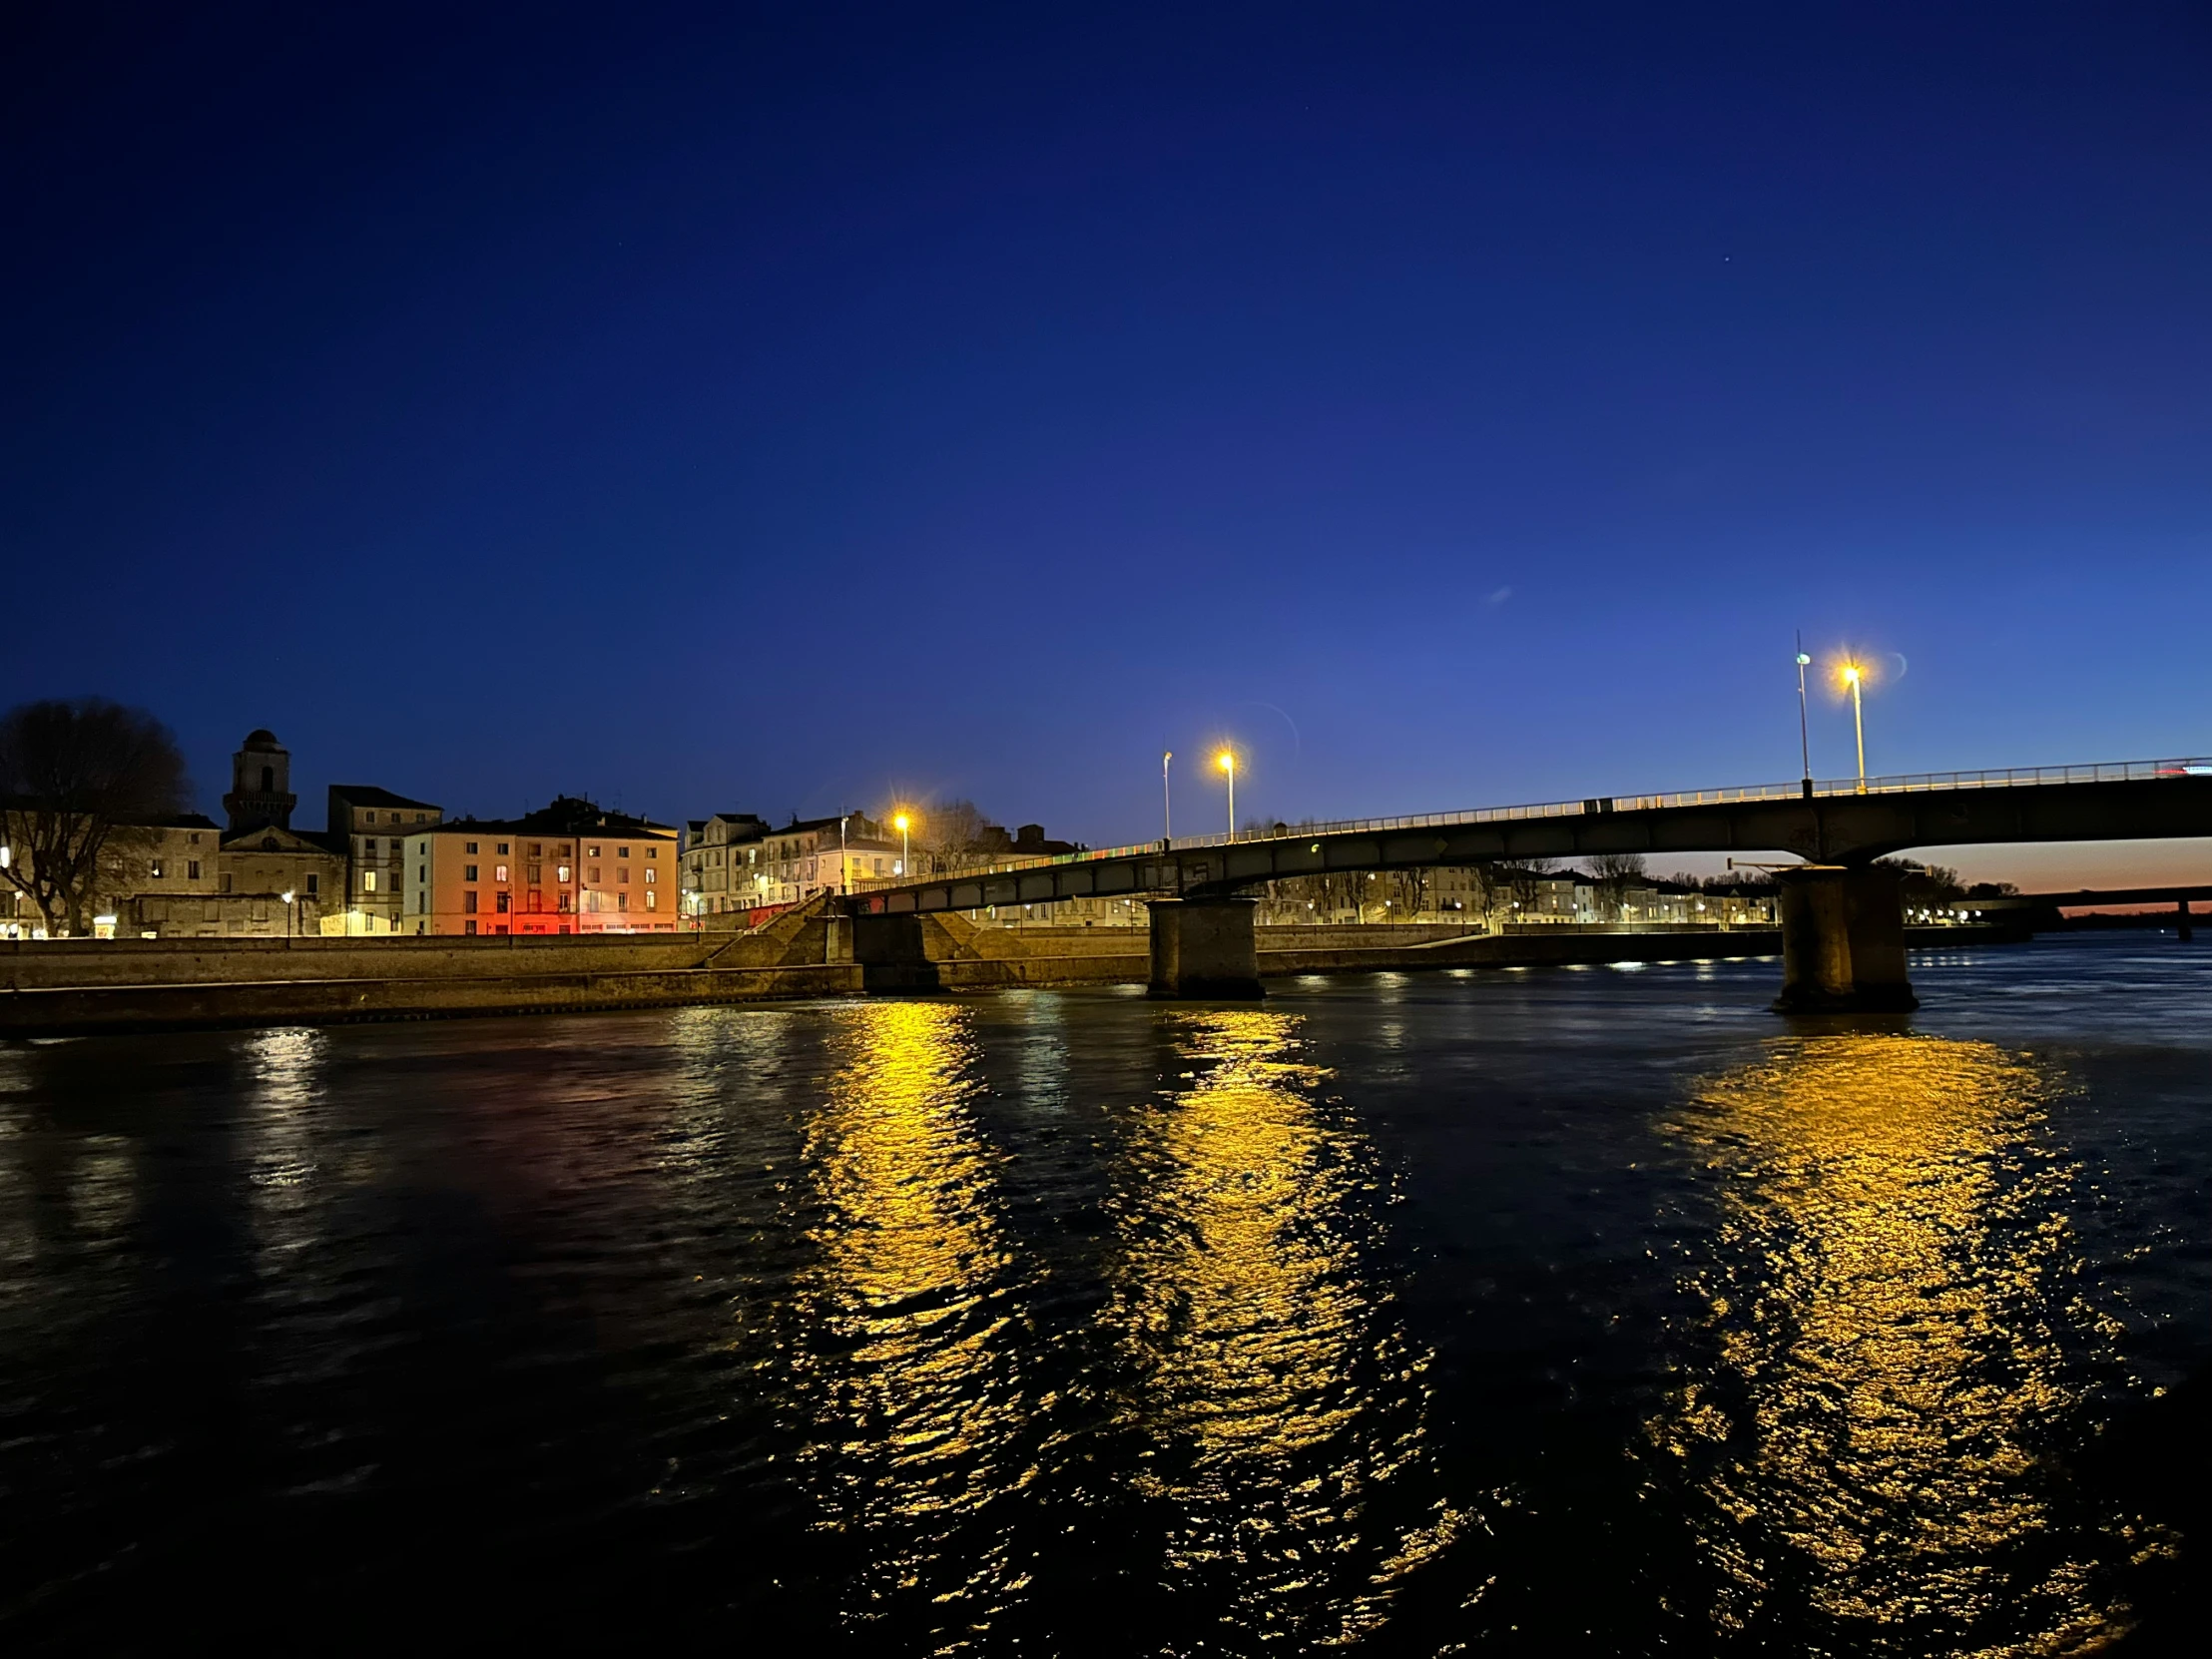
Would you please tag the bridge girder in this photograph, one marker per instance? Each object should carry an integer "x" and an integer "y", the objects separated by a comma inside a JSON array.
[{"x": 1831, "y": 829}]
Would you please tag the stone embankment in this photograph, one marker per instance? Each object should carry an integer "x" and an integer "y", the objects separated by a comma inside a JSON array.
[{"x": 86, "y": 987}]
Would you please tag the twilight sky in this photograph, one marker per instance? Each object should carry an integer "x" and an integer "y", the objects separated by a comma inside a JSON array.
[{"x": 770, "y": 408}]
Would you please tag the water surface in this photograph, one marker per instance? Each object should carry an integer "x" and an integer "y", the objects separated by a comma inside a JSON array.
[{"x": 1569, "y": 1310}]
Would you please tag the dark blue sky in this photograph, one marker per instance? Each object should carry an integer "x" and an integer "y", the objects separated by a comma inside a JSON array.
[{"x": 767, "y": 408}]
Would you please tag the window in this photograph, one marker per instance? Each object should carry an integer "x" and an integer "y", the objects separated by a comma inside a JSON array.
[
  {"x": 154, "y": 869},
  {"x": 537, "y": 901},
  {"x": 469, "y": 871},
  {"x": 536, "y": 851},
  {"x": 499, "y": 872},
  {"x": 468, "y": 926},
  {"x": 621, "y": 852},
  {"x": 564, "y": 851},
  {"x": 591, "y": 872},
  {"x": 499, "y": 904},
  {"x": 191, "y": 869},
  {"x": 225, "y": 882},
  {"x": 622, "y": 874},
  {"x": 622, "y": 901},
  {"x": 649, "y": 874},
  {"x": 313, "y": 883},
  {"x": 368, "y": 847},
  {"x": 369, "y": 818},
  {"x": 369, "y": 880},
  {"x": 591, "y": 851},
  {"x": 651, "y": 853},
  {"x": 471, "y": 847},
  {"x": 564, "y": 907},
  {"x": 423, "y": 873},
  {"x": 649, "y": 897},
  {"x": 536, "y": 873},
  {"x": 422, "y": 818},
  {"x": 561, "y": 871},
  {"x": 468, "y": 903},
  {"x": 503, "y": 849}
]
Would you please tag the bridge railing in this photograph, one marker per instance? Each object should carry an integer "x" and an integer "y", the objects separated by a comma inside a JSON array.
[{"x": 2100, "y": 771}]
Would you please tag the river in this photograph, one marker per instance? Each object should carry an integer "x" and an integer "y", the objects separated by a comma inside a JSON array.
[{"x": 1522, "y": 1311}]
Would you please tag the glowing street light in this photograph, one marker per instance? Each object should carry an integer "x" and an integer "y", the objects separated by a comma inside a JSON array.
[
  {"x": 905, "y": 850},
  {"x": 1167, "y": 800},
  {"x": 1227, "y": 761},
  {"x": 1853, "y": 676}
]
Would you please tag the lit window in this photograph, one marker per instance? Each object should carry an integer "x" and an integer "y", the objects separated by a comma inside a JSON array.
[
  {"x": 649, "y": 874},
  {"x": 499, "y": 871},
  {"x": 560, "y": 872},
  {"x": 369, "y": 880},
  {"x": 649, "y": 897},
  {"x": 154, "y": 870},
  {"x": 591, "y": 851}
]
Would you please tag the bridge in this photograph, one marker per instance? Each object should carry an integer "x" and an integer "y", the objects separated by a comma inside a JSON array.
[{"x": 1843, "y": 928}]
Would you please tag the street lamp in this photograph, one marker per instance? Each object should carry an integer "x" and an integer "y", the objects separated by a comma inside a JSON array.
[
  {"x": 1804, "y": 738},
  {"x": 905, "y": 849},
  {"x": 1167, "y": 800},
  {"x": 286, "y": 895},
  {"x": 1227, "y": 761},
  {"x": 1853, "y": 674}
]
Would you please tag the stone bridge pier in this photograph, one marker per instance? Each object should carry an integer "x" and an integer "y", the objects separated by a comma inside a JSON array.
[
  {"x": 1204, "y": 948},
  {"x": 1843, "y": 941}
]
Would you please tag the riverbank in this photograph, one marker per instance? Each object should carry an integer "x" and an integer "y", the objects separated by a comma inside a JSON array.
[{"x": 89, "y": 988}]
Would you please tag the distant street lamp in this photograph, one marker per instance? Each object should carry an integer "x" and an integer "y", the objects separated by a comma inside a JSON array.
[
  {"x": 1853, "y": 674},
  {"x": 1804, "y": 732},
  {"x": 905, "y": 849},
  {"x": 1227, "y": 761},
  {"x": 286, "y": 895},
  {"x": 1167, "y": 800}
]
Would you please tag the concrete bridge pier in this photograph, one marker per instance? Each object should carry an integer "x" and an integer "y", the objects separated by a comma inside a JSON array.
[
  {"x": 1204, "y": 948},
  {"x": 1843, "y": 941},
  {"x": 893, "y": 955}
]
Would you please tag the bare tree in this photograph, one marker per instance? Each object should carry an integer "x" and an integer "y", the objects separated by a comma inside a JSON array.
[
  {"x": 1523, "y": 879},
  {"x": 1613, "y": 873},
  {"x": 78, "y": 778}
]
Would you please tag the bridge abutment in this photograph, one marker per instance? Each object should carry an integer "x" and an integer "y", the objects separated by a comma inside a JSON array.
[
  {"x": 893, "y": 953},
  {"x": 1205, "y": 949},
  {"x": 1842, "y": 943}
]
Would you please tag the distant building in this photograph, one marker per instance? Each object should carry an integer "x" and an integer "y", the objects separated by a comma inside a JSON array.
[
  {"x": 813, "y": 854},
  {"x": 569, "y": 867},
  {"x": 369, "y": 825},
  {"x": 720, "y": 856}
]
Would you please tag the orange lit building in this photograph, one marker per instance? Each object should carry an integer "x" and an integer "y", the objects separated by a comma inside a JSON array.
[{"x": 570, "y": 868}]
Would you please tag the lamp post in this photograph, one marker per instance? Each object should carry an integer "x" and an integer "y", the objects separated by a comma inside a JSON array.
[
  {"x": 1167, "y": 800},
  {"x": 1851, "y": 677},
  {"x": 906, "y": 849},
  {"x": 1804, "y": 732},
  {"x": 286, "y": 895},
  {"x": 1227, "y": 761},
  {"x": 844, "y": 863}
]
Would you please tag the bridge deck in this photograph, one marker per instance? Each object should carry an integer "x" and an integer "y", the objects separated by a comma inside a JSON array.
[{"x": 1830, "y": 822}]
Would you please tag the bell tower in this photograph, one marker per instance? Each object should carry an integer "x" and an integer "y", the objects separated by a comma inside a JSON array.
[{"x": 261, "y": 784}]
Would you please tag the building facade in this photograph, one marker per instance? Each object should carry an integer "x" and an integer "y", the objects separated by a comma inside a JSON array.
[
  {"x": 370, "y": 825},
  {"x": 570, "y": 868},
  {"x": 720, "y": 859}
]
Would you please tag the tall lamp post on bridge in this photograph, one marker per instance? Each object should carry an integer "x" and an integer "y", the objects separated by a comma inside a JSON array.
[
  {"x": 1853, "y": 674},
  {"x": 1803, "y": 730},
  {"x": 1167, "y": 799},
  {"x": 906, "y": 849},
  {"x": 1227, "y": 759}
]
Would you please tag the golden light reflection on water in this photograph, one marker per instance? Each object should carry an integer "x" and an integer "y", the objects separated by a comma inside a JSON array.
[
  {"x": 1891, "y": 1306},
  {"x": 916, "y": 1395},
  {"x": 1279, "y": 1396}
]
